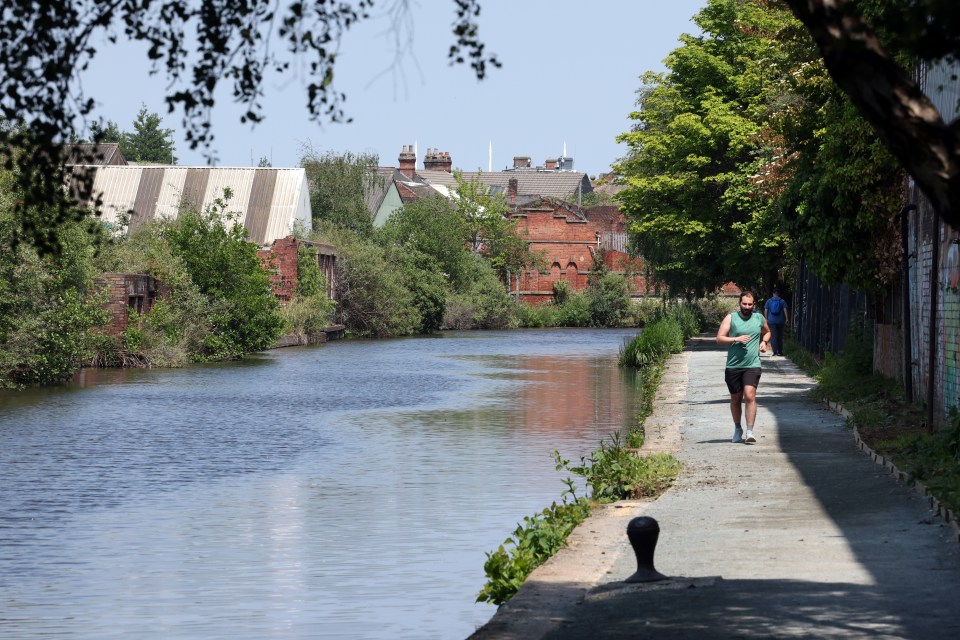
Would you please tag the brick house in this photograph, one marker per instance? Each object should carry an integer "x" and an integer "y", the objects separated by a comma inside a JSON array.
[
  {"x": 129, "y": 293},
  {"x": 570, "y": 240},
  {"x": 281, "y": 259}
]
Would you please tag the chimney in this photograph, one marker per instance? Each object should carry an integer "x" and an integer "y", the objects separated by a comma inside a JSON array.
[
  {"x": 521, "y": 162},
  {"x": 512, "y": 191},
  {"x": 551, "y": 164},
  {"x": 408, "y": 161},
  {"x": 438, "y": 161}
]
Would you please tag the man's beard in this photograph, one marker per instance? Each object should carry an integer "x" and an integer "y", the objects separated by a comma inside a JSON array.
[{"x": 746, "y": 313}]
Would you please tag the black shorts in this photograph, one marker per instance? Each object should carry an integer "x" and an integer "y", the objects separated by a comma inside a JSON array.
[{"x": 737, "y": 379}]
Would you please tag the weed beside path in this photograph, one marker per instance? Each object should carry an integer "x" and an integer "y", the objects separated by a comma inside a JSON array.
[{"x": 884, "y": 420}]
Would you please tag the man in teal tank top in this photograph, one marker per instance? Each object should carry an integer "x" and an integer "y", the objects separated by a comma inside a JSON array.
[{"x": 746, "y": 334}]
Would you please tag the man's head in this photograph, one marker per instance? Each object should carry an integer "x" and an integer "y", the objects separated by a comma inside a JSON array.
[
  {"x": 776, "y": 292},
  {"x": 746, "y": 304}
]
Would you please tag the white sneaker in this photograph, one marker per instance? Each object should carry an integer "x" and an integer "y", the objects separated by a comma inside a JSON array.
[
  {"x": 750, "y": 439},
  {"x": 737, "y": 435}
]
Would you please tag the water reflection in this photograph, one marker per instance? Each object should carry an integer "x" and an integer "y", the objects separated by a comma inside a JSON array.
[{"x": 347, "y": 490}]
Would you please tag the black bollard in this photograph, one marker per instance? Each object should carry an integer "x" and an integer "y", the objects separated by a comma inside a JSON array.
[{"x": 643, "y": 533}]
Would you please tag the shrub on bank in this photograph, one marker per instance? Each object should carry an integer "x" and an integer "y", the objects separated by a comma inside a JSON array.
[
  {"x": 49, "y": 315},
  {"x": 483, "y": 304},
  {"x": 531, "y": 544}
]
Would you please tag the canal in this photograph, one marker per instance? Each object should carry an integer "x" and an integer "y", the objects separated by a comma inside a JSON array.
[{"x": 347, "y": 490}]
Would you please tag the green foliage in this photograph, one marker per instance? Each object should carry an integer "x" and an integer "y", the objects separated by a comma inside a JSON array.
[
  {"x": 225, "y": 268},
  {"x": 616, "y": 472},
  {"x": 339, "y": 186},
  {"x": 848, "y": 374},
  {"x": 934, "y": 459},
  {"x": 310, "y": 280},
  {"x": 801, "y": 357},
  {"x": 48, "y": 311},
  {"x": 847, "y": 186},
  {"x": 434, "y": 228},
  {"x": 424, "y": 279},
  {"x": 698, "y": 147},
  {"x": 609, "y": 297},
  {"x": 535, "y": 317},
  {"x": 575, "y": 311},
  {"x": 374, "y": 299},
  {"x": 484, "y": 304},
  {"x": 148, "y": 142},
  {"x": 530, "y": 545},
  {"x": 662, "y": 337},
  {"x": 647, "y": 381},
  {"x": 490, "y": 232},
  {"x": 310, "y": 311}
]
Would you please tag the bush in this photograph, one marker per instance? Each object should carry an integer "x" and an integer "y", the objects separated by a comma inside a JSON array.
[
  {"x": 544, "y": 315},
  {"x": 49, "y": 315},
  {"x": 615, "y": 472},
  {"x": 714, "y": 309},
  {"x": 213, "y": 247},
  {"x": 575, "y": 311},
  {"x": 484, "y": 304},
  {"x": 530, "y": 545},
  {"x": 374, "y": 299},
  {"x": 609, "y": 300},
  {"x": 653, "y": 344}
]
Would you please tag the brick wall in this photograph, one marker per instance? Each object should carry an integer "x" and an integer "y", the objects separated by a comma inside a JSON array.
[
  {"x": 281, "y": 260},
  {"x": 128, "y": 295},
  {"x": 924, "y": 230},
  {"x": 569, "y": 238}
]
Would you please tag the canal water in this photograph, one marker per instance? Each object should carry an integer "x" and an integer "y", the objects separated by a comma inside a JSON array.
[{"x": 347, "y": 490}]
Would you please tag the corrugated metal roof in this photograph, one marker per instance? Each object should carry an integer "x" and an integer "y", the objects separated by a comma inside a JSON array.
[
  {"x": 268, "y": 200},
  {"x": 556, "y": 184},
  {"x": 89, "y": 153}
]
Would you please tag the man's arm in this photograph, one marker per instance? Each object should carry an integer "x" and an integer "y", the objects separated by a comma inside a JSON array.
[{"x": 765, "y": 338}]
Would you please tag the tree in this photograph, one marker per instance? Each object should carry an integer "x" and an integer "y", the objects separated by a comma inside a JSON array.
[
  {"x": 45, "y": 45},
  {"x": 339, "y": 185},
  {"x": 109, "y": 133},
  {"x": 697, "y": 148},
  {"x": 432, "y": 227},
  {"x": 882, "y": 90},
  {"x": 148, "y": 142},
  {"x": 490, "y": 232},
  {"x": 48, "y": 317}
]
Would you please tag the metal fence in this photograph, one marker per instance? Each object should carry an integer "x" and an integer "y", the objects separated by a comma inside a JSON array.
[{"x": 823, "y": 315}]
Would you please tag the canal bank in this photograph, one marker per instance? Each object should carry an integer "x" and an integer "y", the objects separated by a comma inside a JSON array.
[{"x": 800, "y": 535}]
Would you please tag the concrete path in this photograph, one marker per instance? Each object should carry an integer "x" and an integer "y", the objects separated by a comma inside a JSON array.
[{"x": 798, "y": 536}]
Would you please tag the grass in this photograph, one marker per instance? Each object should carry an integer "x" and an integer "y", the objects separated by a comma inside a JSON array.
[{"x": 887, "y": 423}]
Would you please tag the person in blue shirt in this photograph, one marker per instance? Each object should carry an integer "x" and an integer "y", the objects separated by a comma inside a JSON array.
[
  {"x": 745, "y": 334},
  {"x": 775, "y": 311}
]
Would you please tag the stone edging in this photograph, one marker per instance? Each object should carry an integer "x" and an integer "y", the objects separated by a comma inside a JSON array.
[{"x": 939, "y": 509}]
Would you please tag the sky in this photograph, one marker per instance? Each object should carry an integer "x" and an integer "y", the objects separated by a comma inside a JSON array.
[{"x": 569, "y": 79}]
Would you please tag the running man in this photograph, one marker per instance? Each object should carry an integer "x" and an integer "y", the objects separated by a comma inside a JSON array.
[{"x": 742, "y": 331}]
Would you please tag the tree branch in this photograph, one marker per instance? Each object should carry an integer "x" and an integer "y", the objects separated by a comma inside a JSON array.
[{"x": 903, "y": 117}]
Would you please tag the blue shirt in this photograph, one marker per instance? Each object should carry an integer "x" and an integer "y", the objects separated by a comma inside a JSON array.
[{"x": 776, "y": 309}]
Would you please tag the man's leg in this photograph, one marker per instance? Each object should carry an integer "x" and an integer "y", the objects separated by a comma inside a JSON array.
[
  {"x": 737, "y": 413},
  {"x": 776, "y": 338},
  {"x": 750, "y": 400}
]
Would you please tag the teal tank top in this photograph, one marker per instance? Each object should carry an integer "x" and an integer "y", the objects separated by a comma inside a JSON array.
[{"x": 745, "y": 356}]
